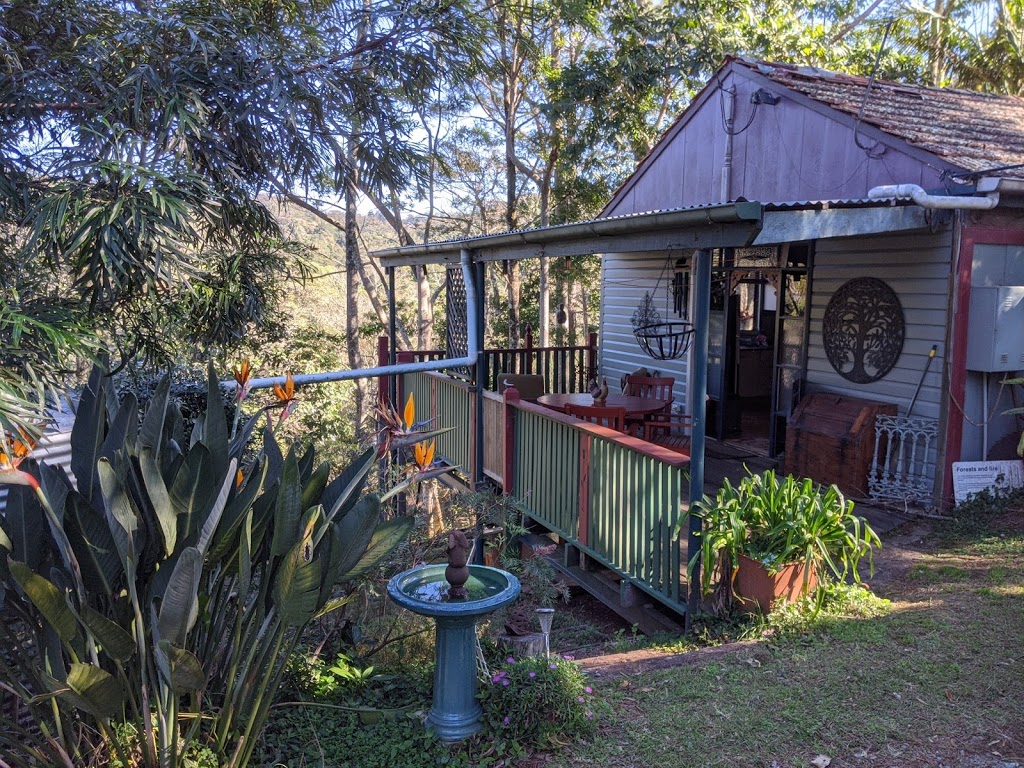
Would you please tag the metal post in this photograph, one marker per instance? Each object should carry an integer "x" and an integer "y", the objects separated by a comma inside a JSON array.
[
  {"x": 699, "y": 382},
  {"x": 392, "y": 336},
  {"x": 481, "y": 375}
]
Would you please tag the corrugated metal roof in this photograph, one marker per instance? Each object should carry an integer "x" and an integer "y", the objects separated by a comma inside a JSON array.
[{"x": 976, "y": 131}]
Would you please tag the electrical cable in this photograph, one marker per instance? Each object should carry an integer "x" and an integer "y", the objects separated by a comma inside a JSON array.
[
  {"x": 723, "y": 89},
  {"x": 872, "y": 151}
]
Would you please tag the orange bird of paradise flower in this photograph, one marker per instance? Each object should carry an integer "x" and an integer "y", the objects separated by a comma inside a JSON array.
[
  {"x": 424, "y": 454},
  {"x": 243, "y": 373},
  {"x": 19, "y": 447},
  {"x": 285, "y": 394}
]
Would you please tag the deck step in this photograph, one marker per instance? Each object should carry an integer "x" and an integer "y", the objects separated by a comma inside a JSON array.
[{"x": 631, "y": 603}]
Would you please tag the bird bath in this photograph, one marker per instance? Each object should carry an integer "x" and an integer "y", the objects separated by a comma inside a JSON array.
[{"x": 455, "y": 714}]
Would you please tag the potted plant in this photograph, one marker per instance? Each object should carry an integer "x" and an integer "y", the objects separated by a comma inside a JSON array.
[{"x": 768, "y": 539}]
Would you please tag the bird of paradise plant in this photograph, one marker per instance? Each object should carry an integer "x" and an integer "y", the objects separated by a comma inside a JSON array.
[{"x": 165, "y": 581}]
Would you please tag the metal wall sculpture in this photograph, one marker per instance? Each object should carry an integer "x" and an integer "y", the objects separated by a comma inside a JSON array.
[{"x": 863, "y": 330}]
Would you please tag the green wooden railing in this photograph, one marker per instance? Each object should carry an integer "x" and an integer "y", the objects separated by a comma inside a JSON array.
[{"x": 615, "y": 497}]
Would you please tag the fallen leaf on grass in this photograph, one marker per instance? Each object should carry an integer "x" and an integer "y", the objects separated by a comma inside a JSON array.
[
  {"x": 822, "y": 761},
  {"x": 753, "y": 662}
]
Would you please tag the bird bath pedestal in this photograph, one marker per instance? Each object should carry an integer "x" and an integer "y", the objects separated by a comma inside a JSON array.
[{"x": 455, "y": 714}]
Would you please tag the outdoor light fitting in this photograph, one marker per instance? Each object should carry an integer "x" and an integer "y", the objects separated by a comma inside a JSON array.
[{"x": 761, "y": 96}]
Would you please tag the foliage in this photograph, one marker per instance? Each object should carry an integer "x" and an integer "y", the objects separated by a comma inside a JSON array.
[
  {"x": 136, "y": 141},
  {"x": 539, "y": 703},
  {"x": 776, "y": 523},
  {"x": 169, "y": 587}
]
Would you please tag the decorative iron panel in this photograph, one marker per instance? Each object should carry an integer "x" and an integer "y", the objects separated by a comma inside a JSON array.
[
  {"x": 904, "y": 464},
  {"x": 863, "y": 330}
]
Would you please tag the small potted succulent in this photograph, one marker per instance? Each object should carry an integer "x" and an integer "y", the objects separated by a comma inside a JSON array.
[{"x": 768, "y": 539}]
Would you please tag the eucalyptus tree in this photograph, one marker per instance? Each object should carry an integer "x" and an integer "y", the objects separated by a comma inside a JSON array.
[{"x": 136, "y": 138}]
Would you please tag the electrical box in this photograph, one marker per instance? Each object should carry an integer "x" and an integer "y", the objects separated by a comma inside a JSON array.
[{"x": 995, "y": 334}]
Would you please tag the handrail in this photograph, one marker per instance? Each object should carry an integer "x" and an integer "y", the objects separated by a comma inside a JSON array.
[{"x": 469, "y": 359}]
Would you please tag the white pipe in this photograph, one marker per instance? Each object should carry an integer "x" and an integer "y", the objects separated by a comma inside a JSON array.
[
  {"x": 473, "y": 342},
  {"x": 922, "y": 198}
]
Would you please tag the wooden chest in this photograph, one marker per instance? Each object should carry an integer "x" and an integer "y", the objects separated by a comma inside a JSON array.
[{"x": 831, "y": 438}]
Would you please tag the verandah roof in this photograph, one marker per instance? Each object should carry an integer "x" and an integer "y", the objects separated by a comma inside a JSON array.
[{"x": 727, "y": 225}]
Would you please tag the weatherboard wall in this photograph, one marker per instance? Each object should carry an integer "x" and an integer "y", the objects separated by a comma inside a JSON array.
[{"x": 624, "y": 280}]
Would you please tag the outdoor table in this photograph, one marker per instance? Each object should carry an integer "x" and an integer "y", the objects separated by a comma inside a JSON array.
[{"x": 634, "y": 406}]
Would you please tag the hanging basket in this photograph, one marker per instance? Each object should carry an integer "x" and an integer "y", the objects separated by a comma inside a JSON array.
[{"x": 665, "y": 341}]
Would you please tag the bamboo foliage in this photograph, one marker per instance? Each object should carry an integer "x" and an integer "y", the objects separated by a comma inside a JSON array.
[{"x": 168, "y": 589}]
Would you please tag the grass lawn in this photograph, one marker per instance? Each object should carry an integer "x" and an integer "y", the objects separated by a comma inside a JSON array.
[{"x": 934, "y": 677}]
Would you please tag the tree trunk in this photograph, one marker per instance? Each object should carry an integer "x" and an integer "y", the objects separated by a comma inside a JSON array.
[{"x": 352, "y": 297}]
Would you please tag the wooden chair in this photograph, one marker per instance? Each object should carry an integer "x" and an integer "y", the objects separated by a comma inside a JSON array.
[
  {"x": 653, "y": 387},
  {"x": 613, "y": 418},
  {"x": 671, "y": 430},
  {"x": 530, "y": 386}
]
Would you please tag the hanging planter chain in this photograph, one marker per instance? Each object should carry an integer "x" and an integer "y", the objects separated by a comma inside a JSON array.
[{"x": 662, "y": 340}]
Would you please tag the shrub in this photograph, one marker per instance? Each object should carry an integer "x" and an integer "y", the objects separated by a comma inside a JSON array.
[{"x": 538, "y": 702}]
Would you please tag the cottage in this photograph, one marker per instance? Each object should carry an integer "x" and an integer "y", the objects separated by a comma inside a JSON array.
[
  {"x": 944, "y": 300},
  {"x": 832, "y": 270}
]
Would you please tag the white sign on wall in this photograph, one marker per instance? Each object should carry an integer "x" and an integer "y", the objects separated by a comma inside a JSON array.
[{"x": 971, "y": 477}]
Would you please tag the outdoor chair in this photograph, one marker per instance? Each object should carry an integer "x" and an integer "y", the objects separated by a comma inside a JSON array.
[
  {"x": 613, "y": 418},
  {"x": 671, "y": 430},
  {"x": 530, "y": 386},
  {"x": 653, "y": 387}
]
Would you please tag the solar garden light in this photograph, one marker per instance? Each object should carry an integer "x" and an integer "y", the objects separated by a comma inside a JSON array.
[{"x": 545, "y": 616}]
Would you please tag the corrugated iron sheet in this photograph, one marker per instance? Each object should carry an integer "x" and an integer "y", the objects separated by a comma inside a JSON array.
[{"x": 976, "y": 131}]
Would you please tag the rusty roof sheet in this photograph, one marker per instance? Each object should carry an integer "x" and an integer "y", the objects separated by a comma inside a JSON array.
[{"x": 976, "y": 131}]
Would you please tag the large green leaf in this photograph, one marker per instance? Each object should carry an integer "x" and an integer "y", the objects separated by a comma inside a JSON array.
[
  {"x": 386, "y": 537},
  {"x": 192, "y": 491},
  {"x": 47, "y": 599},
  {"x": 26, "y": 526},
  {"x": 90, "y": 537},
  {"x": 151, "y": 435},
  {"x": 355, "y": 530},
  {"x": 123, "y": 427},
  {"x": 288, "y": 513},
  {"x": 121, "y": 514},
  {"x": 213, "y": 519},
  {"x": 88, "y": 432},
  {"x": 314, "y": 487},
  {"x": 6, "y": 547},
  {"x": 186, "y": 670},
  {"x": 159, "y": 498},
  {"x": 179, "y": 604},
  {"x": 215, "y": 425},
  {"x": 275, "y": 461},
  {"x": 236, "y": 511},
  {"x": 96, "y": 687},
  {"x": 297, "y": 583},
  {"x": 55, "y": 485},
  {"x": 343, "y": 492},
  {"x": 115, "y": 641}
]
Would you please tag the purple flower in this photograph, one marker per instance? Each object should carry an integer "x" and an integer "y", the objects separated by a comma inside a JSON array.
[
  {"x": 510, "y": 660},
  {"x": 533, "y": 674},
  {"x": 505, "y": 720},
  {"x": 569, "y": 658},
  {"x": 588, "y": 689},
  {"x": 579, "y": 699},
  {"x": 552, "y": 666},
  {"x": 504, "y": 682},
  {"x": 496, "y": 678}
]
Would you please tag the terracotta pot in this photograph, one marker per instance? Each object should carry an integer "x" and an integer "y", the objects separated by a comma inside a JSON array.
[{"x": 757, "y": 589}]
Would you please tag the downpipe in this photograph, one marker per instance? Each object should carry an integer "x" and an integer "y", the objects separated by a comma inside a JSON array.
[
  {"x": 943, "y": 202},
  {"x": 400, "y": 368}
]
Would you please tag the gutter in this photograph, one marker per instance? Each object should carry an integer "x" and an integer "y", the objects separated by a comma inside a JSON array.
[
  {"x": 944, "y": 202},
  {"x": 473, "y": 344}
]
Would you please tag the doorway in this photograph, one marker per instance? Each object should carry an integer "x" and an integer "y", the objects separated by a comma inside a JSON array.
[{"x": 757, "y": 349}]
